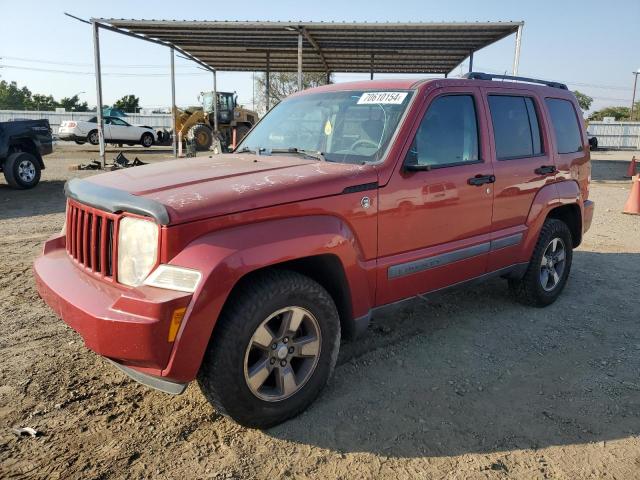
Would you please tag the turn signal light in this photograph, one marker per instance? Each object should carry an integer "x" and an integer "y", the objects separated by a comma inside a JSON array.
[{"x": 176, "y": 320}]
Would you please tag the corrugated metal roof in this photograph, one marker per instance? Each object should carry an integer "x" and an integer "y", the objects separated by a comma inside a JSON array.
[{"x": 327, "y": 46}]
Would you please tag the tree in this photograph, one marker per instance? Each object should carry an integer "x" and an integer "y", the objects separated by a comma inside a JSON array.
[
  {"x": 584, "y": 100},
  {"x": 14, "y": 98},
  {"x": 42, "y": 102},
  {"x": 283, "y": 84},
  {"x": 128, "y": 103},
  {"x": 619, "y": 113},
  {"x": 73, "y": 104}
]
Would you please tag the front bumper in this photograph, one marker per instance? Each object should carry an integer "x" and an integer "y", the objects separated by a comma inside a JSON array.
[{"x": 130, "y": 326}]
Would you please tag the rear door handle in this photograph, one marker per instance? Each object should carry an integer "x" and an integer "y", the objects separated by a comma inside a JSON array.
[
  {"x": 545, "y": 170},
  {"x": 479, "y": 180}
]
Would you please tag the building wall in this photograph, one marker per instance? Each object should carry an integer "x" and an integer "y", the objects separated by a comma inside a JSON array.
[
  {"x": 157, "y": 121},
  {"x": 616, "y": 135}
]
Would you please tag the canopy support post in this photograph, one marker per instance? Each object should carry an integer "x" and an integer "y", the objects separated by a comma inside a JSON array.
[
  {"x": 98, "y": 72},
  {"x": 471, "y": 62},
  {"x": 174, "y": 109},
  {"x": 215, "y": 102},
  {"x": 267, "y": 86},
  {"x": 299, "y": 61},
  {"x": 516, "y": 56}
]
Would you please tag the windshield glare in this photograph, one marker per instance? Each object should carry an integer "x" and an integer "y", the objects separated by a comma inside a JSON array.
[{"x": 348, "y": 126}]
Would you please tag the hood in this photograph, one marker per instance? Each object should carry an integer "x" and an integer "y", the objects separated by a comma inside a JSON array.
[{"x": 204, "y": 187}]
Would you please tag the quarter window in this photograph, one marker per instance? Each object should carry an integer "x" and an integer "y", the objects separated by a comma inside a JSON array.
[
  {"x": 448, "y": 133},
  {"x": 565, "y": 125},
  {"x": 515, "y": 127}
]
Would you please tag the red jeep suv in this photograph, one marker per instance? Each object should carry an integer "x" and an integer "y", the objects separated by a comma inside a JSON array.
[{"x": 243, "y": 270}]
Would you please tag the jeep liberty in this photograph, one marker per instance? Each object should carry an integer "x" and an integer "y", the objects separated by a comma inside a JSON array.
[{"x": 244, "y": 270}]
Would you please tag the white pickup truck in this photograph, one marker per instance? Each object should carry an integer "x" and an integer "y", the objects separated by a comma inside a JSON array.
[{"x": 116, "y": 130}]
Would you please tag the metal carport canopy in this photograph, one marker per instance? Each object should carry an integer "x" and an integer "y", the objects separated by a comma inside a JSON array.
[{"x": 435, "y": 48}]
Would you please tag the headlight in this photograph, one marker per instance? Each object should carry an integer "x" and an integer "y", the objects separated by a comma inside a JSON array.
[
  {"x": 137, "y": 249},
  {"x": 174, "y": 278}
]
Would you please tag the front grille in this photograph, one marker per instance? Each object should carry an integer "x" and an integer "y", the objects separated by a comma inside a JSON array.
[{"x": 91, "y": 237}]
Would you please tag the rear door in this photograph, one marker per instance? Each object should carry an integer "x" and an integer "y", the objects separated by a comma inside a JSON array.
[
  {"x": 434, "y": 225},
  {"x": 522, "y": 164}
]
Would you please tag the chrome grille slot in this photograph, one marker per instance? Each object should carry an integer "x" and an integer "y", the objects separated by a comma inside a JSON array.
[{"x": 90, "y": 239}]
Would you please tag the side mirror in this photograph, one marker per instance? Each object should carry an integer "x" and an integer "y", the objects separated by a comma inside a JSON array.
[
  {"x": 411, "y": 162},
  {"x": 414, "y": 167}
]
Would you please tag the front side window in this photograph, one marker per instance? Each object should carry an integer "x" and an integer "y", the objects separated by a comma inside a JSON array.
[
  {"x": 346, "y": 127},
  {"x": 515, "y": 127},
  {"x": 117, "y": 121},
  {"x": 448, "y": 134},
  {"x": 565, "y": 125}
]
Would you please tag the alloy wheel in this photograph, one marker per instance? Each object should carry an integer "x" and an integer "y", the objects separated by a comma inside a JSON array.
[
  {"x": 282, "y": 354},
  {"x": 26, "y": 171},
  {"x": 553, "y": 264}
]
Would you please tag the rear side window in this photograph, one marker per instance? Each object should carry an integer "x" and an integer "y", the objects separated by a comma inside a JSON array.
[
  {"x": 515, "y": 127},
  {"x": 565, "y": 124},
  {"x": 448, "y": 133}
]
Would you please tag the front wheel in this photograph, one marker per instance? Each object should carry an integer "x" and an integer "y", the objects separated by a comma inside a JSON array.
[
  {"x": 147, "y": 140},
  {"x": 273, "y": 350},
  {"x": 548, "y": 268}
]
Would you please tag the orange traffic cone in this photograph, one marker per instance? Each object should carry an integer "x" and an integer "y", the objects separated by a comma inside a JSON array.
[
  {"x": 632, "y": 207},
  {"x": 631, "y": 171}
]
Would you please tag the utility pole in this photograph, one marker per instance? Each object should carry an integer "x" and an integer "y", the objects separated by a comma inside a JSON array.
[{"x": 633, "y": 99}]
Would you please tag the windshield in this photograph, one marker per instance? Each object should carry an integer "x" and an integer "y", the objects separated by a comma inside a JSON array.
[{"x": 347, "y": 127}]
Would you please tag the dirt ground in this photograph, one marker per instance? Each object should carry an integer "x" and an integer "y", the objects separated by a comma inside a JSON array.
[{"x": 465, "y": 384}]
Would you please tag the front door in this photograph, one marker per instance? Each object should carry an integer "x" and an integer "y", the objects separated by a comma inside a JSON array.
[
  {"x": 435, "y": 223},
  {"x": 121, "y": 130}
]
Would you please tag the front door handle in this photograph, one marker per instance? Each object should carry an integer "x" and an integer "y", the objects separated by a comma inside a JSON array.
[
  {"x": 480, "y": 180},
  {"x": 545, "y": 170}
]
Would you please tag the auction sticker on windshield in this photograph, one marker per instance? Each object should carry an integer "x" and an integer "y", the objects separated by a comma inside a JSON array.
[{"x": 382, "y": 97}]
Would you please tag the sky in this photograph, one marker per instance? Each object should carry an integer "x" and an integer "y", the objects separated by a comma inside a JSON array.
[{"x": 593, "y": 46}]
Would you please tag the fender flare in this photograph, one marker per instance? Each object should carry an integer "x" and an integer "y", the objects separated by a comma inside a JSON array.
[
  {"x": 33, "y": 142},
  {"x": 226, "y": 256},
  {"x": 548, "y": 198}
]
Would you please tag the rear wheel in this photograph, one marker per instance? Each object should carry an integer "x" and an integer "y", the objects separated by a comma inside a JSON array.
[
  {"x": 548, "y": 268},
  {"x": 80, "y": 142},
  {"x": 273, "y": 349},
  {"x": 93, "y": 137},
  {"x": 203, "y": 135},
  {"x": 22, "y": 170},
  {"x": 146, "y": 140}
]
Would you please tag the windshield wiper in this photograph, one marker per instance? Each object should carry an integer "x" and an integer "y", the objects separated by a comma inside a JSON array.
[
  {"x": 300, "y": 151},
  {"x": 257, "y": 151}
]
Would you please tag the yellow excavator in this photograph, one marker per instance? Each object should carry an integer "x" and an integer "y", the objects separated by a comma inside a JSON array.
[{"x": 199, "y": 123}]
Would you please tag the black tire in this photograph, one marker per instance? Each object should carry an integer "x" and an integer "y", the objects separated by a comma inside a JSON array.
[
  {"x": 22, "y": 170},
  {"x": 203, "y": 136},
  {"x": 80, "y": 142},
  {"x": 222, "y": 374},
  {"x": 93, "y": 137},
  {"x": 146, "y": 140},
  {"x": 241, "y": 132},
  {"x": 530, "y": 289}
]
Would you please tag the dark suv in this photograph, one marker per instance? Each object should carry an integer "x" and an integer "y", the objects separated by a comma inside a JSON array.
[
  {"x": 244, "y": 270},
  {"x": 23, "y": 143}
]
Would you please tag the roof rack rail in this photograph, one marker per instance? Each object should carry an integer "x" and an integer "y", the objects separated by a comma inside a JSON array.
[{"x": 491, "y": 76}]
